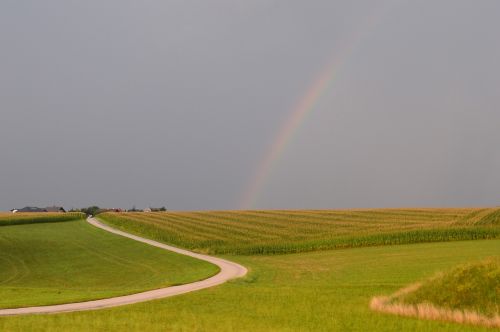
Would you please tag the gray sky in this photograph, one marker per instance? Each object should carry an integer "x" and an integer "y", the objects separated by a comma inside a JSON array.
[{"x": 175, "y": 103}]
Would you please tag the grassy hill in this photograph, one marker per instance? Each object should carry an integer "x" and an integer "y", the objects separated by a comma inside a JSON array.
[
  {"x": 473, "y": 287},
  {"x": 468, "y": 294},
  {"x": 272, "y": 232},
  {"x": 50, "y": 263}
]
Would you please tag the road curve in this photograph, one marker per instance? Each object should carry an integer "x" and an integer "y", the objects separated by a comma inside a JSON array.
[{"x": 228, "y": 270}]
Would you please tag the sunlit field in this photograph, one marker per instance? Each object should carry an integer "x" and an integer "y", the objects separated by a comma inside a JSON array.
[{"x": 271, "y": 232}]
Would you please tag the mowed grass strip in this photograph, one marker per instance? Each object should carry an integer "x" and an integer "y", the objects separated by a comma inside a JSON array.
[
  {"x": 7, "y": 219},
  {"x": 282, "y": 231},
  {"x": 53, "y": 263}
]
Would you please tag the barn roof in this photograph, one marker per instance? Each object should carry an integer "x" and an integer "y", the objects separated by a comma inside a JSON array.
[
  {"x": 31, "y": 209},
  {"x": 54, "y": 209}
]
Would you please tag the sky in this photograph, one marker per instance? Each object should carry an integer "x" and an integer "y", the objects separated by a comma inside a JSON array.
[{"x": 126, "y": 103}]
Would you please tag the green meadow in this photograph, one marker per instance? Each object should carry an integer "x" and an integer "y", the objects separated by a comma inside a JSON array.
[
  {"x": 52, "y": 263},
  {"x": 315, "y": 291}
]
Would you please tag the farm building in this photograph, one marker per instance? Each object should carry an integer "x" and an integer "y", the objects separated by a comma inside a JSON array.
[
  {"x": 55, "y": 209},
  {"x": 37, "y": 209},
  {"x": 31, "y": 209}
]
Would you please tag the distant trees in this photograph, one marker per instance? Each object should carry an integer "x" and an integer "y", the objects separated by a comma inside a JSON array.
[
  {"x": 161, "y": 209},
  {"x": 95, "y": 210},
  {"x": 91, "y": 210}
]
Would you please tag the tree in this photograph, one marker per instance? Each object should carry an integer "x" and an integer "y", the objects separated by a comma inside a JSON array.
[{"x": 91, "y": 210}]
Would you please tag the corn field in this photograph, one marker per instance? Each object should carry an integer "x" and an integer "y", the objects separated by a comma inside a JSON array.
[
  {"x": 7, "y": 219},
  {"x": 274, "y": 232}
]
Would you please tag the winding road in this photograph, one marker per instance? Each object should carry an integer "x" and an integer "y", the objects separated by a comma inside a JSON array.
[{"x": 228, "y": 270}]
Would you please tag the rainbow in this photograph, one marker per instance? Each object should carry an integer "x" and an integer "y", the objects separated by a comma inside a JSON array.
[
  {"x": 303, "y": 108},
  {"x": 275, "y": 151}
]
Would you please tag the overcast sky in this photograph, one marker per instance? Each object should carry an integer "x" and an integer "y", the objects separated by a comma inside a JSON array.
[{"x": 175, "y": 103}]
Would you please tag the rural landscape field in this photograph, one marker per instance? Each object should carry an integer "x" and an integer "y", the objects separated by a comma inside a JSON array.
[
  {"x": 273, "y": 232},
  {"x": 249, "y": 166},
  {"x": 308, "y": 271}
]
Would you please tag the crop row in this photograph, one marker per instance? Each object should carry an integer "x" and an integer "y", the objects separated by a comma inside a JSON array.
[
  {"x": 43, "y": 217},
  {"x": 271, "y": 232}
]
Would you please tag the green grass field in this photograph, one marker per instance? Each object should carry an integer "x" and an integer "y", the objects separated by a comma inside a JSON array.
[
  {"x": 8, "y": 219},
  {"x": 315, "y": 291},
  {"x": 51, "y": 263},
  {"x": 272, "y": 232}
]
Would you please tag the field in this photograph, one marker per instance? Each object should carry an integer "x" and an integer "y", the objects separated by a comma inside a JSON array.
[
  {"x": 325, "y": 282},
  {"x": 273, "y": 232},
  {"x": 315, "y": 291},
  {"x": 51, "y": 263},
  {"x": 7, "y": 219}
]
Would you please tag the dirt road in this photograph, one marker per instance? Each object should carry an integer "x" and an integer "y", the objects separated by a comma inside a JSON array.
[{"x": 228, "y": 270}]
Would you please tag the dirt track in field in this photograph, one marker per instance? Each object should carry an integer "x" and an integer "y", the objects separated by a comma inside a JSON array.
[{"x": 228, "y": 270}]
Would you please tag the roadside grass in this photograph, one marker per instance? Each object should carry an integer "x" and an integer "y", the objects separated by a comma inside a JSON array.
[
  {"x": 9, "y": 219},
  {"x": 279, "y": 232},
  {"x": 52, "y": 263},
  {"x": 315, "y": 291}
]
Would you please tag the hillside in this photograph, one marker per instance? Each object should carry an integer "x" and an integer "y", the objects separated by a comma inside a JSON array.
[
  {"x": 51, "y": 263},
  {"x": 466, "y": 294}
]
